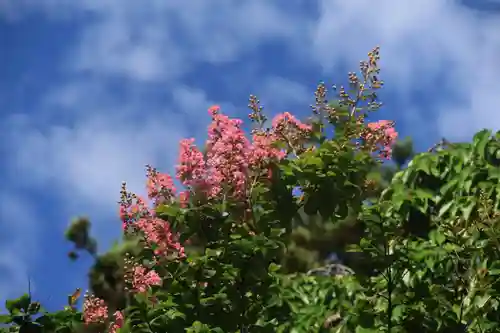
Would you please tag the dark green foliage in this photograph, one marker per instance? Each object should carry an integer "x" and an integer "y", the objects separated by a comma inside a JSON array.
[
  {"x": 78, "y": 233},
  {"x": 315, "y": 237},
  {"x": 106, "y": 275}
]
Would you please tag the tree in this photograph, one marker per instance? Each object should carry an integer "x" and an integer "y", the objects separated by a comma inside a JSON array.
[{"x": 425, "y": 253}]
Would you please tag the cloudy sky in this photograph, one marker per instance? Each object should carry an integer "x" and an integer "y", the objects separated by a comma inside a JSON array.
[{"x": 92, "y": 90}]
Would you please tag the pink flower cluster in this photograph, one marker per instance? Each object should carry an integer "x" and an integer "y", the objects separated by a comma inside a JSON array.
[
  {"x": 117, "y": 322},
  {"x": 95, "y": 310},
  {"x": 142, "y": 279},
  {"x": 132, "y": 208},
  {"x": 379, "y": 137},
  {"x": 191, "y": 169},
  {"x": 263, "y": 149},
  {"x": 286, "y": 119},
  {"x": 290, "y": 129},
  {"x": 160, "y": 186},
  {"x": 230, "y": 157},
  {"x": 157, "y": 234},
  {"x": 227, "y": 154},
  {"x": 137, "y": 216}
]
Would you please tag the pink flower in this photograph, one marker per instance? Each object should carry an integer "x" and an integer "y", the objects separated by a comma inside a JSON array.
[
  {"x": 227, "y": 155},
  {"x": 117, "y": 323},
  {"x": 191, "y": 168},
  {"x": 230, "y": 158},
  {"x": 225, "y": 164},
  {"x": 380, "y": 136},
  {"x": 214, "y": 109},
  {"x": 263, "y": 151},
  {"x": 293, "y": 131},
  {"x": 157, "y": 232},
  {"x": 184, "y": 199},
  {"x": 132, "y": 207},
  {"x": 137, "y": 216},
  {"x": 94, "y": 310},
  {"x": 143, "y": 279},
  {"x": 287, "y": 119},
  {"x": 160, "y": 186}
]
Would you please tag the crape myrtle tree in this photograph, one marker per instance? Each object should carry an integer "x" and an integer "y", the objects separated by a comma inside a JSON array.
[
  {"x": 314, "y": 242},
  {"x": 427, "y": 237},
  {"x": 313, "y": 247}
]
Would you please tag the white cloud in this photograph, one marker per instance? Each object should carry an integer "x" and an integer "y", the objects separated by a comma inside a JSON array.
[
  {"x": 91, "y": 159},
  {"x": 115, "y": 46},
  {"x": 161, "y": 40}
]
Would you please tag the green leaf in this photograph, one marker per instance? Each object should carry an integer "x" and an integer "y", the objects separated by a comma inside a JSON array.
[
  {"x": 480, "y": 141},
  {"x": 467, "y": 210},
  {"x": 494, "y": 271},
  {"x": 169, "y": 210},
  {"x": 437, "y": 237},
  {"x": 315, "y": 161},
  {"x": 286, "y": 169},
  {"x": 273, "y": 267},
  {"x": 360, "y": 329},
  {"x": 277, "y": 232},
  {"x": 22, "y": 303},
  {"x": 212, "y": 252},
  {"x": 10, "y": 305},
  {"x": 480, "y": 301},
  {"x": 25, "y": 302},
  {"x": 398, "y": 311},
  {"x": 445, "y": 208},
  {"x": 423, "y": 193},
  {"x": 209, "y": 272},
  {"x": 5, "y": 319}
]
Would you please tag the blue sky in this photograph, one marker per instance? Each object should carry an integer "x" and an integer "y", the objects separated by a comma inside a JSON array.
[{"x": 92, "y": 90}]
